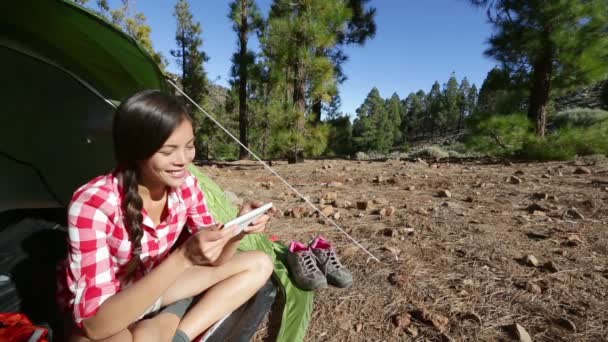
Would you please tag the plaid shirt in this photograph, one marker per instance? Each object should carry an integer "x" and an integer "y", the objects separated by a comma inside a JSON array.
[{"x": 99, "y": 246}]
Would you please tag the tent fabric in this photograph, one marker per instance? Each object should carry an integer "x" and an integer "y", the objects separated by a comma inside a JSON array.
[
  {"x": 81, "y": 42},
  {"x": 298, "y": 303},
  {"x": 55, "y": 134}
]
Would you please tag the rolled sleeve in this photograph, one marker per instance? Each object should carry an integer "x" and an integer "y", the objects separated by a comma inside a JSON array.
[{"x": 91, "y": 278}]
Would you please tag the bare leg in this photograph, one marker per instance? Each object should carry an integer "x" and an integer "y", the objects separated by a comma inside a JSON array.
[{"x": 229, "y": 285}]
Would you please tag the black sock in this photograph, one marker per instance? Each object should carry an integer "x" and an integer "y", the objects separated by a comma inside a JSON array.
[
  {"x": 178, "y": 308},
  {"x": 180, "y": 336}
]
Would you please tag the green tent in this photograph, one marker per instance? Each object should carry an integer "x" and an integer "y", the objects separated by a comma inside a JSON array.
[{"x": 63, "y": 66}]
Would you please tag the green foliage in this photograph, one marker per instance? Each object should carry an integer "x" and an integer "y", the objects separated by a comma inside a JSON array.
[
  {"x": 372, "y": 129},
  {"x": 188, "y": 55},
  {"x": 433, "y": 151},
  {"x": 501, "y": 94},
  {"x": 567, "y": 143},
  {"x": 556, "y": 44},
  {"x": 499, "y": 135},
  {"x": 340, "y": 136},
  {"x": 578, "y": 117}
]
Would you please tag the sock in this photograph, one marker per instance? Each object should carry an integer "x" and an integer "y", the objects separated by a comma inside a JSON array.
[
  {"x": 180, "y": 336},
  {"x": 178, "y": 308}
]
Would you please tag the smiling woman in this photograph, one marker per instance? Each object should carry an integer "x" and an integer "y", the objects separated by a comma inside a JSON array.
[{"x": 126, "y": 277}]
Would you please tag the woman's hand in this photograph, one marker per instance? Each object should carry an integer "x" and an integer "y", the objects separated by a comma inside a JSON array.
[
  {"x": 259, "y": 225},
  {"x": 205, "y": 247}
]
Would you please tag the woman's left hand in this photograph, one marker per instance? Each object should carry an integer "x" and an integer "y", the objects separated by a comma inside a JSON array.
[{"x": 259, "y": 225}]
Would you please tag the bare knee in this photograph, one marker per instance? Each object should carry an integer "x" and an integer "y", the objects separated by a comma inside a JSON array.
[{"x": 260, "y": 263}]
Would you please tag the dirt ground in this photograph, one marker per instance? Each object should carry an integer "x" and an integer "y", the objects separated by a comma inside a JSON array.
[{"x": 523, "y": 244}]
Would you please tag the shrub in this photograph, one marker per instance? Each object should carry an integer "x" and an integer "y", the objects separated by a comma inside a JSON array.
[
  {"x": 568, "y": 143},
  {"x": 432, "y": 151},
  {"x": 578, "y": 117},
  {"x": 500, "y": 135}
]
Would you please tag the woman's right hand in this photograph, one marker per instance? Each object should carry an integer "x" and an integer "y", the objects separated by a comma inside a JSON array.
[{"x": 205, "y": 247}]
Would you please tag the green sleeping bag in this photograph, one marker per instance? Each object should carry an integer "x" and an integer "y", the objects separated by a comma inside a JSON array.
[{"x": 298, "y": 303}]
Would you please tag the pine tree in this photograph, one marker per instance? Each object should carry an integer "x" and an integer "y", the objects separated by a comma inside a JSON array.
[
  {"x": 188, "y": 55},
  {"x": 134, "y": 24},
  {"x": 371, "y": 129},
  {"x": 557, "y": 43},
  {"x": 452, "y": 101},
  {"x": 435, "y": 112},
  {"x": 465, "y": 106},
  {"x": 296, "y": 31},
  {"x": 246, "y": 18},
  {"x": 360, "y": 27},
  {"x": 393, "y": 109}
]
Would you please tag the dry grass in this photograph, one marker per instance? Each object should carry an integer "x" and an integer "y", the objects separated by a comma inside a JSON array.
[{"x": 463, "y": 259}]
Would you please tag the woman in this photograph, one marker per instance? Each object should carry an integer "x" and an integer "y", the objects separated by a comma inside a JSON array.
[{"x": 126, "y": 277}]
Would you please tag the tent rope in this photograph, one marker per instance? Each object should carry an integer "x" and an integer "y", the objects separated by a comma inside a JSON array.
[{"x": 274, "y": 172}]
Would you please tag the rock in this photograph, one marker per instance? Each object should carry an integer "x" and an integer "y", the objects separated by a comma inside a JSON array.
[
  {"x": 379, "y": 179},
  {"x": 519, "y": 173},
  {"x": 389, "y": 232},
  {"x": 358, "y": 327},
  {"x": 551, "y": 266},
  {"x": 469, "y": 199},
  {"x": 267, "y": 185},
  {"x": 345, "y": 325},
  {"x": 515, "y": 180},
  {"x": 581, "y": 170},
  {"x": 573, "y": 213},
  {"x": 401, "y": 320},
  {"x": 444, "y": 193},
  {"x": 412, "y": 331},
  {"x": 327, "y": 210},
  {"x": 471, "y": 316},
  {"x": 546, "y": 176},
  {"x": 422, "y": 211},
  {"x": 350, "y": 179},
  {"x": 566, "y": 323},
  {"x": 533, "y": 288},
  {"x": 540, "y": 196},
  {"x": 535, "y": 207},
  {"x": 399, "y": 279},
  {"x": 278, "y": 212},
  {"x": 531, "y": 260},
  {"x": 440, "y": 322},
  {"x": 552, "y": 198},
  {"x": 297, "y": 212},
  {"x": 380, "y": 200},
  {"x": 329, "y": 197},
  {"x": 384, "y": 212},
  {"x": 335, "y": 185},
  {"x": 304, "y": 199},
  {"x": 364, "y": 205},
  {"x": 521, "y": 333},
  {"x": 410, "y": 188},
  {"x": 336, "y": 216}
]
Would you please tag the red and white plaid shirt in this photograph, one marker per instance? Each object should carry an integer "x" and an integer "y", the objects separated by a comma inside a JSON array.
[{"x": 99, "y": 246}]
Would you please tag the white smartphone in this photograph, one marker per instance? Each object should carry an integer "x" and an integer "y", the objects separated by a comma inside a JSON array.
[{"x": 244, "y": 220}]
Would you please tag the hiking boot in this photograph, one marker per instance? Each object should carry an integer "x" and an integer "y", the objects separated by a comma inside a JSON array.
[
  {"x": 336, "y": 273},
  {"x": 303, "y": 265}
]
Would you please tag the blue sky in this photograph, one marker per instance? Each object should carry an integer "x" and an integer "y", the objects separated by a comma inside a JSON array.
[{"x": 417, "y": 43}]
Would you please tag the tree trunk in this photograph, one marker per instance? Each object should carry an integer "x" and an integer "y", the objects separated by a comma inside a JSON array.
[
  {"x": 299, "y": 101},
  {"x": 316, "y": 112},
  {"x": 243, "y": 115},
  {"x": 540, "y": 87}
]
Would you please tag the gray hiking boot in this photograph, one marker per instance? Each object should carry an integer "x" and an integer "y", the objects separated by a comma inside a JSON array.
[
  {"x": 337, "y": 275},
  {"x": 303, "y": 265}
]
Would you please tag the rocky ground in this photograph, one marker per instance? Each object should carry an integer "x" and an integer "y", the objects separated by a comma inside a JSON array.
[{"x": 468, "y": 251}]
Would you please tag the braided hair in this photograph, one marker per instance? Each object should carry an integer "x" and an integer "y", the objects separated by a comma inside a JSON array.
[{"x": 142, "y": 124}]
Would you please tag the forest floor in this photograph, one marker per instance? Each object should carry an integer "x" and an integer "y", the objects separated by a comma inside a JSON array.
[{"x": 507, "y": 248}]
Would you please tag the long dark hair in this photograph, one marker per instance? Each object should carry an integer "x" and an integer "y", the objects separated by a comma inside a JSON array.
[{"x": 142, "y": 124}]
